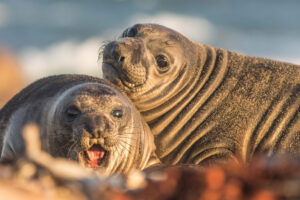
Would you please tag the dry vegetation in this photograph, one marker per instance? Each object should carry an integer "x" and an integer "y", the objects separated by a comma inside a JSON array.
[{"x": 39, "y": 176}]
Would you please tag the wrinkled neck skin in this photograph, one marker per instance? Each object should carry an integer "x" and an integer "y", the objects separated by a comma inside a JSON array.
[
  {"x": 160, "y": 101},
  {"x": 210, "y": 104},
  {"x": 168, "y": 119}
]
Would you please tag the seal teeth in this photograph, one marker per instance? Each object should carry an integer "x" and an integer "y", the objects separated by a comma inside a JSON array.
[
  {"x": 100, "y": 141},
  {"x": 93, "y": 141},
  {"x": 128, "y": 84},
  {"x": 94, "y": 155}
]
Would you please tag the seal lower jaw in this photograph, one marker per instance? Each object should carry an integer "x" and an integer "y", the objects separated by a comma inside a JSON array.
[{"x": 134, "y": 91}]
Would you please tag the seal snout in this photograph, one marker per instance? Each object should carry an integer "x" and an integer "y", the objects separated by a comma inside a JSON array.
[
  {"x": 113, "y": 53},
  {"x": 99, "y": 130},
  {"x": 96, "y": 125},
  {"x": 124, "y": 57},
  {"x": 117, "y": 55}
]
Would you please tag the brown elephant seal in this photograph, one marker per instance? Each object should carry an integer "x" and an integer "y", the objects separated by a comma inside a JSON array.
[
  {"x": 82, "y": 118},
  {"x": 206, "y": 104}
]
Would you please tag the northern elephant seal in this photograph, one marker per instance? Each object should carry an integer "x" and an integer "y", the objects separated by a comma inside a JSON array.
[
  {"x": 82, "y": 118},
  {"x": 206, "y": 104}
]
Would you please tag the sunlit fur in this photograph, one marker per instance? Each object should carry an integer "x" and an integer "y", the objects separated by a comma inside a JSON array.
[
  {"x": 124, "y": 139},
  {"x": 212, "y": 104}
]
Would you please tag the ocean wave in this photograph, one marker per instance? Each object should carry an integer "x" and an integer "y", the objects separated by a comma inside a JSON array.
[{"x": 63, "y": 57}]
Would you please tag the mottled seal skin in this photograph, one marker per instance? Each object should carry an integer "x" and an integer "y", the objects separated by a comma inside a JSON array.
[
  {"x": 82, "y": 118},
  {"x": 206, "y": 104}
]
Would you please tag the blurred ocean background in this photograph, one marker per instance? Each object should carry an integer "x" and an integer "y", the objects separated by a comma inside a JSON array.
[{"x": 55, "y": 36}]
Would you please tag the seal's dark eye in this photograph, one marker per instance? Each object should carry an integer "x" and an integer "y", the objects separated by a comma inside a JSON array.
[
  {"x": 117, "y": 113},
  {"x": 130, "y": 32},
  {"x": 162, "y": 62},
  {"x": 72, "y": 112}
]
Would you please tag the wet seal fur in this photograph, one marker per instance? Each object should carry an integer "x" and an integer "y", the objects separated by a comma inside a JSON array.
[
  {"x": 82, "y": 118},
  {"x": 206, "y": 104}
]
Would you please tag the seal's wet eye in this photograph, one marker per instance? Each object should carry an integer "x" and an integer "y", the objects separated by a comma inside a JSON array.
[
  {"x": 117, "y": 113},
  {"x": 130, "y": 32},
  {"x": 162, "y": 63},
  {"x": 71, "y": 113}
]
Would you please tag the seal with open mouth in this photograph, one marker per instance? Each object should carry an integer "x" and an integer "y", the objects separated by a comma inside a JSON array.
[
  {"x": 82, "y": 118},
  {"x": 206, "y": 104}
]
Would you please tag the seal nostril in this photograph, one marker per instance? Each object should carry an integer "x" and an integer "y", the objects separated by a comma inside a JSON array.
[
  {"x": 116, "y": 55},
  {"x": 122, "y": 59},
  {"x": 98, "y": 133}
]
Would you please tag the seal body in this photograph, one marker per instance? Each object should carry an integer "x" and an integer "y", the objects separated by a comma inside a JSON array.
[
  {"x": 206, "y": 104},
  {"x": 81, "y": 118}
]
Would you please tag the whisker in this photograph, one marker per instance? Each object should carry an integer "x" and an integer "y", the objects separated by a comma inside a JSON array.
[
  {"x": 135, "y": 128},
  {"x": 101, "y": 49},
  {"x": 124, "y": 146},
  {"x": 130, "y": 146},
  {"x": 118, "y": 153},
  {"x": 129, "y": 133},
  {"x": 127, "y": 137}
]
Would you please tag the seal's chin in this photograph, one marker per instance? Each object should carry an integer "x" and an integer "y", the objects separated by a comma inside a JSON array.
[
  {"x": 95, "y": 156},
  {"x": 111, "y": 73}
]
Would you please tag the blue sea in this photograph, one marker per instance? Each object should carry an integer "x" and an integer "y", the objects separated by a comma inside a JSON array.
[{"x": 55, "y": 36}]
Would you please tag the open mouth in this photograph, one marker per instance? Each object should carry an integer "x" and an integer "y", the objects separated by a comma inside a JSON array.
[{"x": 95, "y": 156}]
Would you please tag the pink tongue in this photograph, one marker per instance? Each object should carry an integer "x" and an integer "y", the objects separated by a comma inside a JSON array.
[{"x": 95, "y": 155}]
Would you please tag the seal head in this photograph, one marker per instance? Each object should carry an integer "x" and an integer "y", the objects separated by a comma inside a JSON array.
[
  {"x": 105, "y": 130},
  {"x": 147, "y": 61},
  {"x": 90, "y": 122}
]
